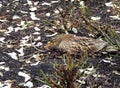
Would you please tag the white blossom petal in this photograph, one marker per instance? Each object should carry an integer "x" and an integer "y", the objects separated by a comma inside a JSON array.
[
  {"x": 95, "y": 18},
  {"x": 47, "y": 14},
  {"x": 26, "y": 76},
  {"x": 29, "y": 84},
  {"x": 45, "y": 3},
  {"x": 33, "y": 16},
  {"x": 45, "y": 86},
  {"x": 13, "y": 55},
  {"x": 115, "y": 17},
  {"x": 37, "y": 29},
  {"x": 16, "y": 17},
  {"x": 33, "y": 9}
]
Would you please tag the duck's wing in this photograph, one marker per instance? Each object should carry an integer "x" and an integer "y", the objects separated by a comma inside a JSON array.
[
  {"x": 70, "y": 46},
  {"x": 92, "y": 45}
]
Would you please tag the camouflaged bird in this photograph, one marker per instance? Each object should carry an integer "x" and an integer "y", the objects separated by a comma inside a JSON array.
[{"x": 75, "y": 44}]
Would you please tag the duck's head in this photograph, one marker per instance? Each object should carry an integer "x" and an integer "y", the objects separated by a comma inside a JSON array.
[{"x": 54, "y": 42}]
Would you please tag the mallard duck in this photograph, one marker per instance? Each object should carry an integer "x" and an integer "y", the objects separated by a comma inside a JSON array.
[{"x": 76, "y": 44}]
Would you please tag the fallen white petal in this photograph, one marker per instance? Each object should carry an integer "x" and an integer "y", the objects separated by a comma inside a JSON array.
[
  {"x": 33, "y": 9},
  {"x": 54, "y": 2},
  {"x": 106, "y": 61},
  {"x": 16, "y": 0},
  {"x": 82, "y": 3},
  {"x": 81, "y": 81},
  {"x": 45, "y": 3},
  {"x": 28, "y": 45},
  {"x": 72, "y": 0},
  {"x": 33, "y": 16},
  {"x": 2, "y": 39},
  {"x": 109, "y": 4},
  {"x": 34, "y": 64},
  {"x": 20, "y": 51},
  {"x": 90, "y": 69},
  {"x": 26, "y": 76},
  {"x": 37, "y": 29},
  {"x": 51, "y": 35},
  {"x": 37, "y": 24},
  {"x": 6, "y": 84},
  {"x": 47, "y": 14},
  {"x": 36, "y": 33},
  {"x": 10, "y": 29},
  {"x": 45, "y": 86},
  {"x": 115, "y": 17},
  {"x": 91, "y": 35},
  {"x": 36, "y": 3},
  {"x": 29, "y": 2},
  {"x": 16, "y": 17},
  {"x": 1, "y": 84},
  {"x": 18, "y": 28},
  {"x": 22, "y": 23},
  {"x": 0, "y": 5},
  {"x": 10, "y": 46},
  {"x": 56, "y": 11},
  {"x": 87, "y": 72},
  {"x": 29, "y": 84},
  {"x": 4, "y": 68},
  {"x": 81, "y": 70},
  {"x": 1, "y": 75},
  {"x": 95, "y": 18},
  {"x": 23, "y": 11},
  {"x": 74, "y": 30},
  {"x": 37, "y": 58},
  {"x": 96, "y": 75},
  {"x": 116, "y": 72},
  {"x": 39, "y": 44},
  {"x": 13, "y": 55},
  {"x": 26, "y": 37},
  {"x": 108, "y": 10},
  {"x": 38, "y": 38},
  {"x": 2, "y": 63},
  {"x": 3, "y": 20},
  {"x": 35, "y": 55},
  {"x": 23, "y": 42}
]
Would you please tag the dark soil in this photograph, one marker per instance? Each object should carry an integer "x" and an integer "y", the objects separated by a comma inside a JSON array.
[{"x": 109, "y": 71}]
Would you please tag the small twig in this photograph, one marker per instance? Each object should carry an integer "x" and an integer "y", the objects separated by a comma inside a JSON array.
[
  {"x": 88, "y": 23},
  {"x": 41, "y": 51},
  {"x": 52, "y": 35}
]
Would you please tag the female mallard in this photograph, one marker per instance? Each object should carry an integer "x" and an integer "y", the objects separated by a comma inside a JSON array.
[{"x": 75, "y": 44}]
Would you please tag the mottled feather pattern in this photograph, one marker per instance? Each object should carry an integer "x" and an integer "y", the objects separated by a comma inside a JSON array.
[{"x": 75, "y": 44}]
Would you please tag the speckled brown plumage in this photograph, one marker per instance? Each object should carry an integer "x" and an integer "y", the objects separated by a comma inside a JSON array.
[{"x": 75, "y": 44}]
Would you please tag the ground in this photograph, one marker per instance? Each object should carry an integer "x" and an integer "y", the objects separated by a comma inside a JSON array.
[{"x": 25, "y": 29}]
